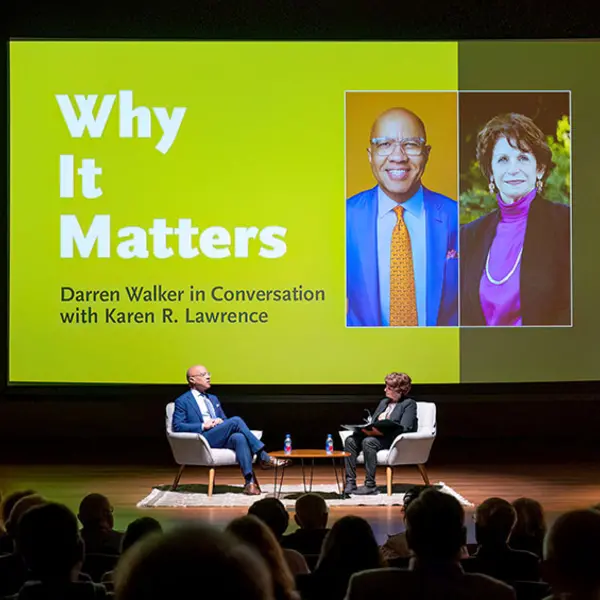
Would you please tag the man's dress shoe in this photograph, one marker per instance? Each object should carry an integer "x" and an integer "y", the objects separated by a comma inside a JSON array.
[
  {"x": 280, "y": 463},
  {"x": 251, "y": 489}
]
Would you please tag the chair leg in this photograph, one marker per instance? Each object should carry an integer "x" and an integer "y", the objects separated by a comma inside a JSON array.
[
  {"x": 256, "y": 480},
  {"x": 390, "y": 473},
  {"x": 211, "y": 481},
  {"x": 177, "y": 478},
  {"x": 424, "y": 474}
]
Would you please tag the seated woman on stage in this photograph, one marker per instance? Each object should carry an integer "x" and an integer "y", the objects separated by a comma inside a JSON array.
[{"x": 396, "y": 408}]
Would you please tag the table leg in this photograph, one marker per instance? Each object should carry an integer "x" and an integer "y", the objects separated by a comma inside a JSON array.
[
  {"x": 303, "y": 475},
  {"x": 281, "y": 480},
  {"x": 277, "y": 493},
  {"x": 312, "y": 467},
  {"x": 337, "y": 479}
]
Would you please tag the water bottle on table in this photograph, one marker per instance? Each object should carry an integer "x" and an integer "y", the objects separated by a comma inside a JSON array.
[
  {"x": 287, "y": 444},
  {"x": 329, "y": 444}
]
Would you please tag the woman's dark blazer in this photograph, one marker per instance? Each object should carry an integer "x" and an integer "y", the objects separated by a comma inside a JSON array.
[{"x": 545, "y": 283}]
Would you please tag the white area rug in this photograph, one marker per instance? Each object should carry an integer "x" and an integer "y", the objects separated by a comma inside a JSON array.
[{"x": 190, "y": 495}]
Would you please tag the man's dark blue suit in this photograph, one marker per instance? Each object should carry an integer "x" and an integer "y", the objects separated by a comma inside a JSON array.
[{"x": 233, "y": 433}]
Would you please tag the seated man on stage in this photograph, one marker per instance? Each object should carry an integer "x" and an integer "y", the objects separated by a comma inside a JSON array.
[
  {"x": 396, "y": 408},
  {"x": 199, "y": 412}
]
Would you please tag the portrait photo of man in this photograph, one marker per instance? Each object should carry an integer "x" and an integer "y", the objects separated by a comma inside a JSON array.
[{"x": 401, "y": 236}]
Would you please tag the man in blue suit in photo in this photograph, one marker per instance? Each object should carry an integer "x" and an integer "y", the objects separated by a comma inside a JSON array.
[
  {"x": 199, "y": 412},
  {"x": 401, "y": 238}
]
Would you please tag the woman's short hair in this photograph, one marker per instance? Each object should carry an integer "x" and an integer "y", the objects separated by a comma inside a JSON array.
[
  {"x": 520, "y": 132},
  {"x": 399, "y": 382}
]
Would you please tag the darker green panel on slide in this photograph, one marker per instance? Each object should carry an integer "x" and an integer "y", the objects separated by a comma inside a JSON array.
[{"x": 520, "y": 354}]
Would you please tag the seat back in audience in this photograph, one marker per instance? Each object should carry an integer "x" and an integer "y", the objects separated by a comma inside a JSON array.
[
  {"x": 530, "y": 590},
  {"x": 311, "y": 560},
  {"x": 401, "y": 562},
  {"x": 95, "y": 565}
]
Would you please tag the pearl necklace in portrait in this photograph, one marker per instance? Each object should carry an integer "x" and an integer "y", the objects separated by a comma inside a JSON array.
[{"x": 510, "y": 273}]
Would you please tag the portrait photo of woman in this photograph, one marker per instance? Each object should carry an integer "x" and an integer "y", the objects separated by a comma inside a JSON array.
[{"x": 515, "y": 259}]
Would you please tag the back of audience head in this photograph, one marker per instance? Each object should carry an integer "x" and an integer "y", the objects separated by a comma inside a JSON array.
[
  {"x": 411, "y": 494},
  {"x": 48, "y": 540},
  {"x": 494, "y": 521},
  {"x": 349, "y": 547},
  {"x": 257, "y": 534},
  {"x": 167, "y": 565},
  {"x": 435, "y": 529},
  {"x": 9, "y": 502},
  {"x": 272, "y": 512},
  {"x": 139, "y": 529},
  {"x": 572, "y": 554},
  {"x": 19, "y": 509},
  {"x": 531, "y": 520},
  {"x": 96, "y": 512},
  {"x": 311, "y": 512}
]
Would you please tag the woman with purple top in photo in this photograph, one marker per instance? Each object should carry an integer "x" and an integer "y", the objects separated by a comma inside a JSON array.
[{"x": 515, "y": 262}]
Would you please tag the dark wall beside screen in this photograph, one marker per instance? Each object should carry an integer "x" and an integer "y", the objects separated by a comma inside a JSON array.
[{"x": 535, "y": 354}]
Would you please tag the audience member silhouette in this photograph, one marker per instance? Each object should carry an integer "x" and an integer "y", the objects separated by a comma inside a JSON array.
[
  {"x": 396, "y": 546},
  {"x": 96, "y": 518},
  {"x": 257, "y": 535},
  {"x": 530, "y": 529},
  {"x": 572, "y": 555},
  {"x": 396, "y": 550},
  {"x": 48, "y": 540},
  {"x": 272, "y": 512},
  {"x": 311, "y": 517},
  {"x": 136, "y": 531},
  {"x": 349, "y": 547},
  {"x": 13, "y": 572},
  {"x": 494, "y": 522},
  {"x": 249, "y": 559},
  {"x": 436, "y": 533},
  {"x": 6, "y": 542},
  {"x": 195, "y": 558}
]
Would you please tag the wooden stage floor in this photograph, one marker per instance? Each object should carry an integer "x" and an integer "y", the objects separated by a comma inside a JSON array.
[{"x": 559, "y": 487}]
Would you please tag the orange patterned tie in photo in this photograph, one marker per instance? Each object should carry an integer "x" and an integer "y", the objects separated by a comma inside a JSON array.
[{"x": 403, "y": 300}]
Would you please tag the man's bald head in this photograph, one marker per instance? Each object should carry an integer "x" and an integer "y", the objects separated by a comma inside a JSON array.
[
  {"x": 400, "y": 118},
  {"x": 398, "y": 153},
  {"x": 198, "y": 378},
  {"x": 96, "y": 512}
]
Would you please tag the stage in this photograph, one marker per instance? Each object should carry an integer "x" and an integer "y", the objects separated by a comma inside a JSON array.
[{"x": 558, "y": 485}]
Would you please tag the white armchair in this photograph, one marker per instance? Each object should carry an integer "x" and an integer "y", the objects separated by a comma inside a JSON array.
[
  {"x": 408, "y": 448},
  {"x": 194, "y": 450}
]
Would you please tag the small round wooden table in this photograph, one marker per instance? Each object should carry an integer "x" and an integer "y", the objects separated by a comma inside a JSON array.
[{"x": 311, "y": 455}]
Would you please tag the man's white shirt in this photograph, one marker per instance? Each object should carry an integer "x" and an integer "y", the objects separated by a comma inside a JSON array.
[{"x": 200, "y": 399}]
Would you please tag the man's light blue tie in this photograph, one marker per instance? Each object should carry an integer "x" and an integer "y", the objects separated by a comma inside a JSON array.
[{"x": 211, "y": 408}]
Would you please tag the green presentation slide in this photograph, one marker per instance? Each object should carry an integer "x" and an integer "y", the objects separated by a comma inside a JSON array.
[{"x": 302, "y": 213}]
